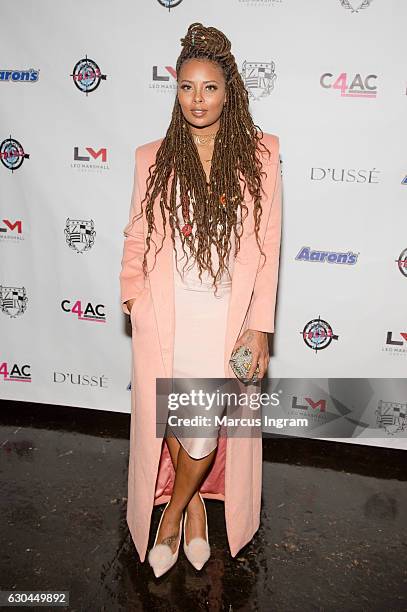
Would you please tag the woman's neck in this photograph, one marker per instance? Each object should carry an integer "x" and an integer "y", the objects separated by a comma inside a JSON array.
[{"x": 206, "y": 130}]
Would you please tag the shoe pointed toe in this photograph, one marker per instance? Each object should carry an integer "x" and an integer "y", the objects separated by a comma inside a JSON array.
[
  {"x": 198, "y": 552},
  {"x": 160, "y": 556}
]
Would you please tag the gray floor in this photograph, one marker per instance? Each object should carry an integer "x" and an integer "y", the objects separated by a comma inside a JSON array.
[{"x": 333, "y": 533}]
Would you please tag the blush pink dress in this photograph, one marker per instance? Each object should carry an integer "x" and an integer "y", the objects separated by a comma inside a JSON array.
[{"x": 200, "y": 329}]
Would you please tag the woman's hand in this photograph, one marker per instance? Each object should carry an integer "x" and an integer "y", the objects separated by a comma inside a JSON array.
[
  {"x": 130, "y": 303},
  {"x": 257, "y": 341}
]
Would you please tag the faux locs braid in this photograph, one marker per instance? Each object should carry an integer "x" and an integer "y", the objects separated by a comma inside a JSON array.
[{"x": 236, "y": 152}]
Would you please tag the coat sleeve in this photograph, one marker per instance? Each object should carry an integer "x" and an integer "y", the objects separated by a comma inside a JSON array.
[
  {"x": 262, "y": 310},
  {"x": 131, "y": 274}
]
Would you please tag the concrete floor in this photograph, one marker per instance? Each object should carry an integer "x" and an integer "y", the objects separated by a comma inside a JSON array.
[{"x": 333, "y": 533}]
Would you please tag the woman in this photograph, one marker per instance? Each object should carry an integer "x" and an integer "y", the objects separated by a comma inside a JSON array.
[{"x": 206, "y": 196}]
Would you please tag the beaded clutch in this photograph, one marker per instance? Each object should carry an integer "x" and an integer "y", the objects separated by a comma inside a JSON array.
[{"x": 240, "y": 362}]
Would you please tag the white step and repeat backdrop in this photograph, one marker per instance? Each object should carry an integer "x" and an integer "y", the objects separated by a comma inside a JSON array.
[{"x": 83, "y": 83}]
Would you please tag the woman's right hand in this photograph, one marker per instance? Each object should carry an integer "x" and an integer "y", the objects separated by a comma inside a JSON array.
[{"x": 130, "y": 303}]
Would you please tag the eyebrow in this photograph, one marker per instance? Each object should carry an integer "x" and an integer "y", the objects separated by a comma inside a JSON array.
[{"x": 188, "y": 81}]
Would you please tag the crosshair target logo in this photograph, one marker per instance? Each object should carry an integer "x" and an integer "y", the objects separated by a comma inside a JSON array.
[
  {"x": 12, "y": 154},
  {"x": 402, "y": 262},
  {"x": 169, "y": 4},
  {"x": 87, "y": 75},
  {"x": 318, "y": 334}
]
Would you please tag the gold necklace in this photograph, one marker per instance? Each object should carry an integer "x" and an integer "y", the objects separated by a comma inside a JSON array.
[{"x": 203, "y": 140}]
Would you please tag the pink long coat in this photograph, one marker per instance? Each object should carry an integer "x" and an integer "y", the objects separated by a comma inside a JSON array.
[{"x": 236, "y": 474}]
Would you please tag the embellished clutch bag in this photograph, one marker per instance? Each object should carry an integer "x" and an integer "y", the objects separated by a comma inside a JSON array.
[{"x": 240, "y": 362}]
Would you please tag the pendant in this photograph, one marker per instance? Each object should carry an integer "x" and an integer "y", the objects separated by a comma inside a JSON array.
[{"x": 186, "y": 229}]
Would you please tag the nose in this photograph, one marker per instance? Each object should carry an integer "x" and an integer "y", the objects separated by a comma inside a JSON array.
[{"x": 198, "y": 96}]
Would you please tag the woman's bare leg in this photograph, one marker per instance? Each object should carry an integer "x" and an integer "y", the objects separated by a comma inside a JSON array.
[
  {"x": 195, "y": 526},
  {"x": 189, "y": 474}
]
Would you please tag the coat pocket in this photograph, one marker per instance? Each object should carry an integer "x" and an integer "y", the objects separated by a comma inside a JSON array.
[{"x": 137, "y": 301}]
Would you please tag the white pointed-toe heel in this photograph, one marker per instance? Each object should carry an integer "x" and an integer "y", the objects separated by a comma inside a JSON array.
[
  {"x": 198, "y": 550},
  {"x": 161, "y": 558}
]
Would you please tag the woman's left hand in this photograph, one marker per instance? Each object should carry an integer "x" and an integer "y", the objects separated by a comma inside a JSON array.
[{"x": 257, "y": 341}]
